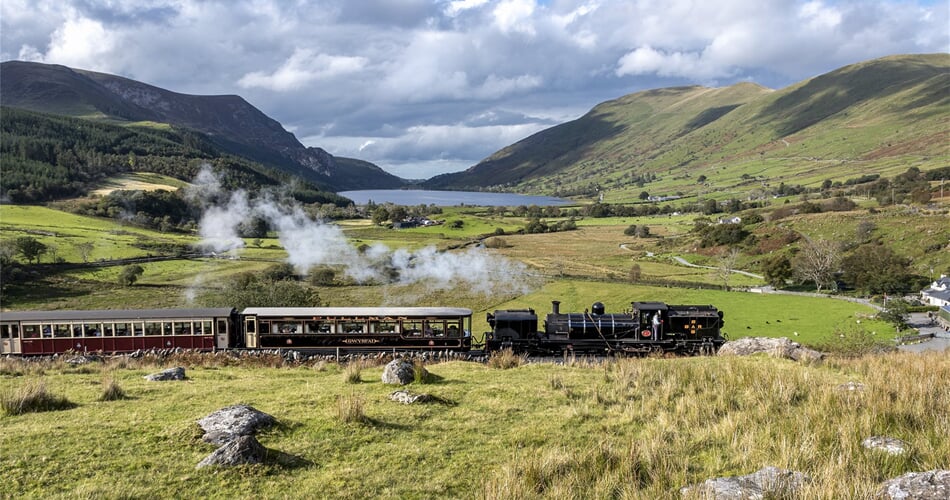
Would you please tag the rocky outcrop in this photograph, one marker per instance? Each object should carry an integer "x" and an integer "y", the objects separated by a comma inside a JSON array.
[
  {"x": 889, "y": 445},
  {"x": 242, "y": 450},
  {"x": 930, "y": 485},
  {"x": 406, "y": 397},
  {"x": 231, "y": 422},
  {"x": 177, "y": 373},
  {"x": 779, "y": 348},
  {"x": 399, "y": 372},
  {"x": 768, "y": 482}
]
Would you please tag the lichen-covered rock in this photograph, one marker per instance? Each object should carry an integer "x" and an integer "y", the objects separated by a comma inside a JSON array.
[
  {"x": 399, "y": 372},
  {"x": 241, "y": 450},
  {"x": 889, "y": 445},
  {"x": 230, "y": 422},
  {"x": 930, "y": 485},
  {"x": 177, "y": 373},
  {"x": 779, "y": 348},
  {"x": 406, "y": 397},
  {"x": 766, "y": 482}
]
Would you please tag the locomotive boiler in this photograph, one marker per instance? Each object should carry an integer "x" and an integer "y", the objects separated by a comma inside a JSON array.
[{"x": 648, "y": 327}]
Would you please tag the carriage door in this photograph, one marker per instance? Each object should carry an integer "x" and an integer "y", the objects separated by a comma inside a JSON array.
[
  {"x": 222, "y": 333},
  {"x": 10, "y": 339},
  {"x": 250, "y": 332}
]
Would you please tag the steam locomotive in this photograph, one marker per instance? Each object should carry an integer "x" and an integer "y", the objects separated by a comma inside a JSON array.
[{"x": 649, "y": 327}]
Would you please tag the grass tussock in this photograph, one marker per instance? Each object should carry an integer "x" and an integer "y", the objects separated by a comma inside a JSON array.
[
  {"x": 350, "y": 409},
  {"x": 506, "y": 359},
  {"x": 352, "y": 373},
  {"x": 31, "y": 398},
  {"x": 111, "y": 391}
]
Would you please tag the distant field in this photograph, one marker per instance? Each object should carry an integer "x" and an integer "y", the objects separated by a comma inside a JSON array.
[{"x": 138, "y": 181}]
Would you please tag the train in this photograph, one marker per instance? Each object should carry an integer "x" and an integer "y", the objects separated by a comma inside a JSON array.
[{"x": 649, "y": 327}]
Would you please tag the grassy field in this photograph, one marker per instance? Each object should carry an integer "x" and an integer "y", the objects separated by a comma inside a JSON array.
[{"x": 640, "y": 428}]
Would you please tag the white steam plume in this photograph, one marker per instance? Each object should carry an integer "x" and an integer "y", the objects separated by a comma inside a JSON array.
[{"x": 312, "y": 243}]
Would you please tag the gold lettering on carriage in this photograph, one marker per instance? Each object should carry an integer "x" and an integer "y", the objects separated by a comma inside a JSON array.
[{"x": 360, "y": 341}]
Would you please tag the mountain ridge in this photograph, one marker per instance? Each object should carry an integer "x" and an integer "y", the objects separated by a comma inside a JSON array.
[
  {"x": 878, "y": 115},
  {"x": 229, "y": 120}
]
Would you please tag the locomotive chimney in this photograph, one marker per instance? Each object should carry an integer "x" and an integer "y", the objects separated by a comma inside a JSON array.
[
  {"x": 555, "y": 307},
  {"x": 597, "y": 308}
]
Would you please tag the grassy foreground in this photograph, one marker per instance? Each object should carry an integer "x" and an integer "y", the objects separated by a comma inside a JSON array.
[{"x": 639, "y": 428}]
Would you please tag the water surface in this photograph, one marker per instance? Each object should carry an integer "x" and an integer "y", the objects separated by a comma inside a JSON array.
[{"x": 409, "y": 197}]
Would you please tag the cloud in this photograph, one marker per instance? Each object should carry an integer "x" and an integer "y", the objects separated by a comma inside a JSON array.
[
  {"x": 402, "y": 73},
  {"x": 301, "y": 68}
]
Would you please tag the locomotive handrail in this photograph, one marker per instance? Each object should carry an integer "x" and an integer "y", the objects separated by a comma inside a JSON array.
[{"x": 597, "y": 327}]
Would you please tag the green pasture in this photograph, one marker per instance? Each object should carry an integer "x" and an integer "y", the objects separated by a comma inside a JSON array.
[{"x": 637, "y": 428}]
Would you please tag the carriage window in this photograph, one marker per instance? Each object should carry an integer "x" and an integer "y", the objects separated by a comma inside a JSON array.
[
  {"x": 353, "y": 326},
  {"x": 413, "y": 327},
  {"x": 61, "y": 330},
  {"x": 222, "y": 326},
  {"x": 286, "y": 327},
  {"x": 205, "y": 327},
  {"x": 182, "y": 328},
  {"x": 153, "y": 328},
  {"x": 5, "y": 331},
  {"x": 123, "y": 330},
  {"x": 137, "y": 329},
  {"x": 92, "y": 330},
  {"x": 385, "y": 327},
  {"x": 15, "y": 331},
  {"x": 453, "y": 328},
  {"x": 435, "y": 328},
  {"x": 31, "y": 331},
  {"x": 108, "y": 329},
  {"x": 318, "y": 327}
]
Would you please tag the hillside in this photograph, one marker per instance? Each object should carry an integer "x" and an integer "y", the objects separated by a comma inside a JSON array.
[
  {"x": 881, "y": 116},
  {"x": 229, "y": 121}
]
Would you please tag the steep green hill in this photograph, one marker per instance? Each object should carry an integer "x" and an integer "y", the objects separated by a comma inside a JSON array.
[
  {"x": 881, "y": 116},
  {"x": 230, "y": 122},
  {"x": 47, "y": 157}
]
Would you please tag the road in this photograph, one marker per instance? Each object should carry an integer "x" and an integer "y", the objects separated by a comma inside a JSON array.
[{"x": 940, "y": 342}]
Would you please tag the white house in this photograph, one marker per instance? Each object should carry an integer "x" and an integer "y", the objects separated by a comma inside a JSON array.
[{"x": 938, "y": 294}]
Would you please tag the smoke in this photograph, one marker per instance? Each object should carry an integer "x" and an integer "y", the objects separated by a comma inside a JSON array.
[{"x": 310, "y": 243}]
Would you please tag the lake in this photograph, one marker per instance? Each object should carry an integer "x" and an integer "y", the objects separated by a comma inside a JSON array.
[{"x": 409, "y": 197}]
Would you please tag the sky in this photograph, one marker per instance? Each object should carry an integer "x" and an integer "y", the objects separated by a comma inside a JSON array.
[{"x": 422, "y": 87}]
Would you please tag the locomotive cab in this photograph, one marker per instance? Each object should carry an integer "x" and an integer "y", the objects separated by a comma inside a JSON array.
[{"x": 653, "y": 319}]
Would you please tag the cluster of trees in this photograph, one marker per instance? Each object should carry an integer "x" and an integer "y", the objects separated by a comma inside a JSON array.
[
  {"x": 390, "y": 212},
  {"x": 277, "y": 286},
  {"x": 537, "y": 225},
  {"x": 51, "y": 157},
  {"x": 871, "y": 268}
]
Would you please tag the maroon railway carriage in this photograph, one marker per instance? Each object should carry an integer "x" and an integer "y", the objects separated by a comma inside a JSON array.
[{"x": 50, "y": 332}]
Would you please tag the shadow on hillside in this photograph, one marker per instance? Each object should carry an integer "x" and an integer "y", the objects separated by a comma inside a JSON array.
[{"x": 829, "y": 94}]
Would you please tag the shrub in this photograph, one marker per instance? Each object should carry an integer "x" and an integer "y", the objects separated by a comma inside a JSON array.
[
  {"x": 33, "y": 397},
  {"x": 419, "y": 373}
]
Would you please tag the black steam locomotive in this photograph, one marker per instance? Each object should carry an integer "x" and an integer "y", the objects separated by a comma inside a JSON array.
[{"x": 649, "y": 327}]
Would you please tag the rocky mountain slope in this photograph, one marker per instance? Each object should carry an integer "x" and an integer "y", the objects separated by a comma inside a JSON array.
[{"x": 229, "y": 120}]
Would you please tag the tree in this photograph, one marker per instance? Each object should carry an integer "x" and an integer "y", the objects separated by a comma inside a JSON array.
[
  {"x": 635, "y": 273},
  {"x": 726, "y": 263},
  {"x": 631, "y": 230},
  {"x": 242, "y": 292},
  {"x": 85, "y": 250},
  {"x": 30, "y": 248},
  {"x": 777, "y": 269},
  {"x": 130, "y": 274},
  {"x": 644, "y": 195},
  {"x": 643, "y": 231},
  {"x": 817, "y": 262},
  {"x": 380, "y": 215},
  {"x": 876, "y": 269},
  {"x": 896, "y": 313}
]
